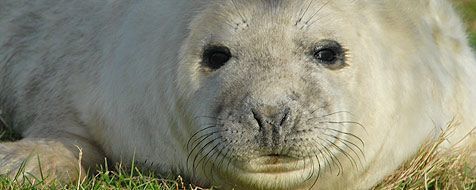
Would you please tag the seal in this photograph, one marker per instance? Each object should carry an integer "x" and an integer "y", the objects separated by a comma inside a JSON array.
[{"x": 242, "y": 94}]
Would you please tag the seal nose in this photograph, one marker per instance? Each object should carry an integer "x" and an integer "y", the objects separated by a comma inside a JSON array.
[
  {"x": 271, "y": 121},
  {"x": 272, "y": 116}
]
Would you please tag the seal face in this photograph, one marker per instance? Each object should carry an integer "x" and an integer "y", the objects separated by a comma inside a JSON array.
[
  {"x": 275, "y": 109},
  {"x": 244, "y": 94}
]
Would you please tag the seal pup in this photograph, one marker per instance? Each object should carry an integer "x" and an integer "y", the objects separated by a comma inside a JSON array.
[{"x": 266, "y": 94}]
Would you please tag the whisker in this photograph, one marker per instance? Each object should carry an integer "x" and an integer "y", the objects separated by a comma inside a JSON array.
[
  {"x": 207, "y": 127},
  {"x": 195, "y": 163},
  {"x": 318, "y": 19},
  {"x": 345, "y": 133},
  {"x": 335, "y": 160},
  {"x": 203, "y": 138},
  {"x": 215, "y": 159},
  {"x": 224, "y": 155},
  {"x": 345, "y": 122},
  {"x": 205, "y": 157},
  {"x": 305, "y": 166},
  {"x": 318, "y": 171},
  {"x": 304, "y": 13},
  {"x": 347, "y": 155},
  {"x": 328, "y": 162},
  {"x": 327, "y": 115},
  {"x": 347, "y": 112},
  {"x": 312, "y": 171},
  {"x": 332, "y": 156},
  {"x": 198, "y": 132},
  {"x": 319, "y": 165},
  {"x": 346, "y": 142},
  {"x": 229, "y": 160},
  {"x": 317, "y": 11}
]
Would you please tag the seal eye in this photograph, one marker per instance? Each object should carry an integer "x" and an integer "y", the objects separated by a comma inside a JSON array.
[
  {"x": 329, "y": 53},
  {"x": 215, "y": 57},
  {"x": 326, "y": 55}
]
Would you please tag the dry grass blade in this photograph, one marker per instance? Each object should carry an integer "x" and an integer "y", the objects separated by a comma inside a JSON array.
[{"x": 434, "y": 168}]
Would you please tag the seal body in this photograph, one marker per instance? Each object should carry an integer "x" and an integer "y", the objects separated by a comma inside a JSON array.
[{"x": 234, "y": 93}]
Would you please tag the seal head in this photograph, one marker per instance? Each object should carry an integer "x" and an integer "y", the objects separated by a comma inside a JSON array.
[{"x": 277, "y": 95}]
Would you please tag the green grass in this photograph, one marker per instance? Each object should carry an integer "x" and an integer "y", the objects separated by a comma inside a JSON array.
[
  {"x": 468, "y": 11},
  {"x": 105, "y": 178},
  {"x": 8, "y": 135}
]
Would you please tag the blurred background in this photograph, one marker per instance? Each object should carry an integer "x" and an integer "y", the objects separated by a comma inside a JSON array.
[{"x": 467, "y": 9}]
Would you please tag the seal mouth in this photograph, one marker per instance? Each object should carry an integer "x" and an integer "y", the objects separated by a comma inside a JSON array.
[{"x": 273, "y": 163}]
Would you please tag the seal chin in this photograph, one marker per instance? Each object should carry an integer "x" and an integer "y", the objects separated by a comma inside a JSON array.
[
  {"x": 270, "y": 164},
  {"x": 272, "y": 172}
]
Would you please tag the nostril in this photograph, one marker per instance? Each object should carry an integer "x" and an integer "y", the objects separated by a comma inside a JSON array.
[
  {"x": 258, "y": 117},
  {"x": 285, "y": 116}
]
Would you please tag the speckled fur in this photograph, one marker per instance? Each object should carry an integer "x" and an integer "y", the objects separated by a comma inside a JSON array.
[{"x": 123, "y": 79}]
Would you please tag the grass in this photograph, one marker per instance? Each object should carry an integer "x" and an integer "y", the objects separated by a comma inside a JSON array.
[
  {"x": 118, "y": 178},
  {"x": 427, "y": 170},
  {"x": 432, "y": 168},
  {"x": 468, "y": 11}
]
